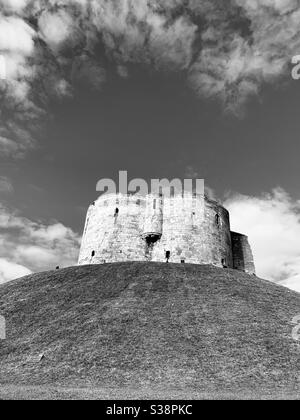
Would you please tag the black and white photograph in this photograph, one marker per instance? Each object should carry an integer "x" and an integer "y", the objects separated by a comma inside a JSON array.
[{"x": 149, "y": 203}]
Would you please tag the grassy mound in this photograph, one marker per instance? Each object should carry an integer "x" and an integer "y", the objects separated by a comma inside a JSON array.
[{"x": 150, "y": 330}]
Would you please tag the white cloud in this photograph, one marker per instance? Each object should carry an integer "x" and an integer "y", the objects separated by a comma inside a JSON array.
[
  {"x": 226, "y": 50},
  {"x": 27, "y": 246},
  {"x": 14, "y": 5},
  {"x": 234, "y": 64},
  {"x": 272, "y": 223},
  {"x": 17, "y": 45},
  {"x": 55, "y": 27},
  {"x": 6, "y": 185},
  {"x": 16, "y": 36},
  {"x": 292, "y": 283},
  {"x": 11, "y": 271}
]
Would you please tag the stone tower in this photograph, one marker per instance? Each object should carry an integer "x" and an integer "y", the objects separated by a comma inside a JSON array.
[{"x": 179, "y": 229}]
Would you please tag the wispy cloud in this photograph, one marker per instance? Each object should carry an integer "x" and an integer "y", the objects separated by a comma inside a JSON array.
[
  {"x": 272, "y": 222},
  {"x": 6, "y": 185},
  {"x": 31, "y": 246},
  {"x": 11, "y": 271},
  {"x": 226, "y": 50}
]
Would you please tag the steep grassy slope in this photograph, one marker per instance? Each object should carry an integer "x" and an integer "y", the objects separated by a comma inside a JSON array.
[{"x": 135, "y": 326}]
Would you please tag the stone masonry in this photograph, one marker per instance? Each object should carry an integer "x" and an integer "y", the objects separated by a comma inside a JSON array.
[{"x": 179, "y": 229}]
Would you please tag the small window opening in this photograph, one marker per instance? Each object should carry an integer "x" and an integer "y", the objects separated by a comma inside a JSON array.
[
  {"x": 116, "y": 212},
  {"x": 217, "y": 218},
  {"x": 93, "y": 253},
  {"x": 168, "y": 255},
  {"x": 182, "y": 261},
  {"x": 138, "y": 202}
]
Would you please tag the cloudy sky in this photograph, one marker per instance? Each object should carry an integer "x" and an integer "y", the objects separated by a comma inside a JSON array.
[{"x": 160, "y": 88}]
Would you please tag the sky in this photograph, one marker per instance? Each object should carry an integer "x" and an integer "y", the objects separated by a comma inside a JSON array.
[{"x": 172, "y": 88}]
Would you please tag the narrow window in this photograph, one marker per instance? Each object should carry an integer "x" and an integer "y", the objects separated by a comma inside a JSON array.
[
  {"x": 168, "y": 255},
  {"x": 93, "y": 253},
  {"x": 217, "y": 218},
  {"x": 138, "y": 202},
  {"x": 183, "y": 261},
  {"x": 224, "y": 263},
  {"x": 116, "y": 212},
  {"x": 154, "y": 204}
]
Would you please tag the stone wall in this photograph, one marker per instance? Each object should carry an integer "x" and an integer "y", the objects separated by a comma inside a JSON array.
[
  {"x": 242, "y": 253},
  {"x": 190, "y": 229},
  {"x": 113, "y": 230}
]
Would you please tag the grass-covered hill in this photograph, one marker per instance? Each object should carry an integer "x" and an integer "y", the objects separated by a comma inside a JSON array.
[{"x": 148, "y": 330}]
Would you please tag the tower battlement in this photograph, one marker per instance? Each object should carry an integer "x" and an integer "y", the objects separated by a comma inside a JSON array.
[{"x": 179, "y": 229}]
